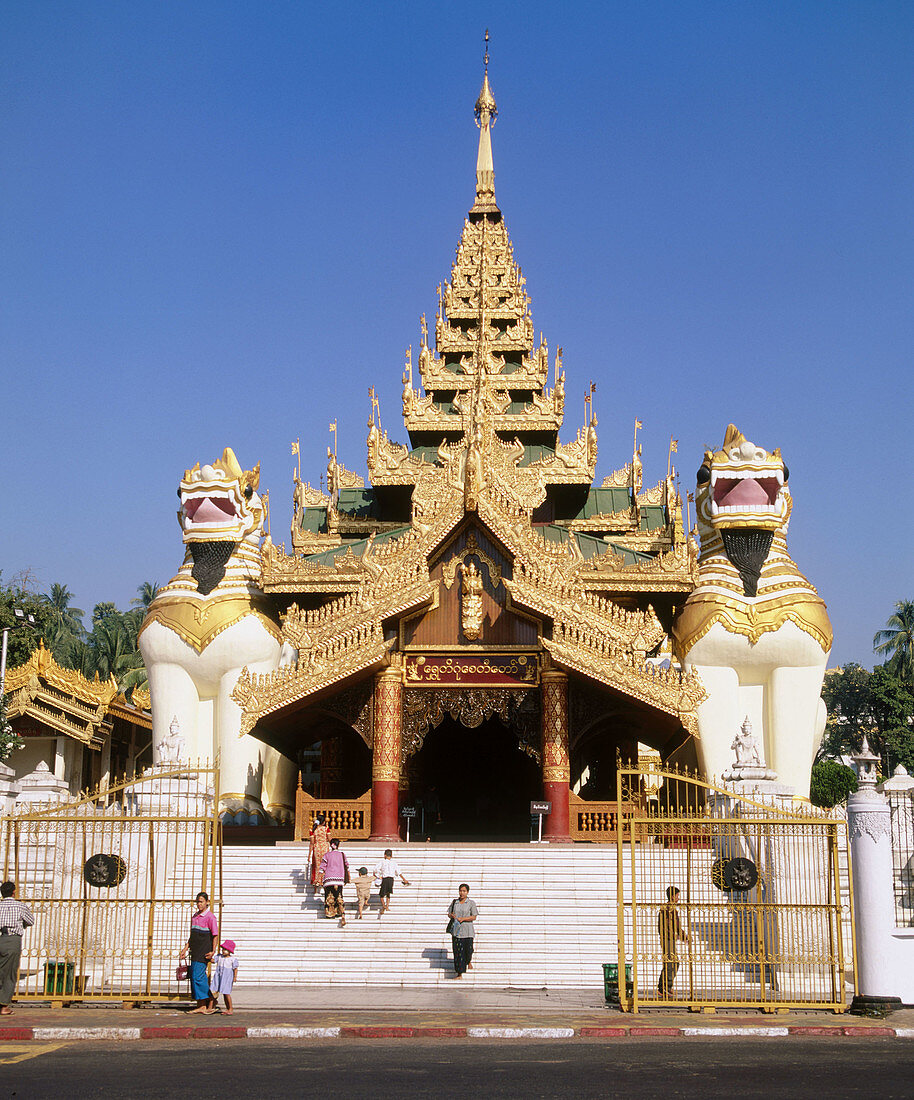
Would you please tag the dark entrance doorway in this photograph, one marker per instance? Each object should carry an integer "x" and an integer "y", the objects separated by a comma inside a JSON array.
[{"x": 483, "y": 780}]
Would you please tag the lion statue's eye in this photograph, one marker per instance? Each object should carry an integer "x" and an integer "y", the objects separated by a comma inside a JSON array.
[
  {"x": 248, "y": 492},
  {"x": 786, "y": 473},
  {"x": 179, "y": 492},
  {"x": 704, "y": 475}
]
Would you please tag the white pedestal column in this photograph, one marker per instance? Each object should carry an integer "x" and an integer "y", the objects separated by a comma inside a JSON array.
[{"x": 870, "y": 831}]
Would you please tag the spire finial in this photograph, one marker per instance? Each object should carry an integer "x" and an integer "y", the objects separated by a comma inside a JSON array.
[{"x": 486, "y": 113}]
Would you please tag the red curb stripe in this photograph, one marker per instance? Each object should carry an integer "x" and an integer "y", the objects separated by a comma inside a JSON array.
[
  {"x": 602, "y": 1032},
  {"x": 811, "y": 1029},
  {"x": 655, "y": 1031},
  {"x": 376, "y": 1032},
  {"x": 883, "y": 1031},
  {"x": 166, "y": 1032},
  {"x": 11, "y": 1034},
  {"x": 439, "y": 1033},
  {"x": 220, "y": 1033}
]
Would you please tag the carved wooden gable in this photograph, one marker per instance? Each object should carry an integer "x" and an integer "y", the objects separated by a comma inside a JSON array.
[{"x": 473, "y": 608}]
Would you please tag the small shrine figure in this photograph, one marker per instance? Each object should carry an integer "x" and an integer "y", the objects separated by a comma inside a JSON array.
[
  {"x": 746, "y": 747},
  {"x": 170, "y": 749},
  {"x": 471, "y": 600}
]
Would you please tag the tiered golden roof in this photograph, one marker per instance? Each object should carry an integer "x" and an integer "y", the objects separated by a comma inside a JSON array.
[
  {"x": 62, "y": 699},
  {"x": 481, "y": 412}
]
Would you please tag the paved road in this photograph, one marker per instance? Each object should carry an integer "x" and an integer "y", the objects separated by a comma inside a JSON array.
[{"x": 638, "y": 1068}]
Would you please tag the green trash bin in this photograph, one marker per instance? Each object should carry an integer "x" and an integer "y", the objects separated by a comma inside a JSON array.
[
  {"x": 611, "y": 981},
  {"x": 59, "y": 978}
]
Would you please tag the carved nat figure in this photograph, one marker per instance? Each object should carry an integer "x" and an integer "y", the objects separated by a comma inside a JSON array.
[
  {"x": 754, "y": 628},
  {"x": 208, "y": 623}
]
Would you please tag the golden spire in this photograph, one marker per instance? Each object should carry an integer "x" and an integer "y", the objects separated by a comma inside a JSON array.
[{"x": 486, "y": 113}]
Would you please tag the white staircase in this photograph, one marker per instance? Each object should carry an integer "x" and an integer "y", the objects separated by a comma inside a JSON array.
[{"x": 547, "y": 917}]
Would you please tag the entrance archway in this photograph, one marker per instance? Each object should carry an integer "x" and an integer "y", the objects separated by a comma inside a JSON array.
[{"x": 482, "y": 779}]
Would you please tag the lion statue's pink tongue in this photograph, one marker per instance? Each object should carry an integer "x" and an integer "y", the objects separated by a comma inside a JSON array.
[
  {"x": 747, "y": 492},
  {"x": 212, "y": 510}
]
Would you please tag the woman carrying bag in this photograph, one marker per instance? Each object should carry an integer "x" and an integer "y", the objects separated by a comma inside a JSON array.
[
  {"x": 201, "y": 943},
  {"x": 463, "y": 913}
]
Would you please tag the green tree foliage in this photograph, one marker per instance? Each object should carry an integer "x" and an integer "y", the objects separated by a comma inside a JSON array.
[
  {"x": 896, "y": 641},
  {"x": 108, "y": 649},
  {"x": 831, "y": 783},
  {"x": 877, "y": 705},
  {"x": 23, "y": 637},
  {"x": 846, "y": 692},
  {"x": 892, "y": 701}
]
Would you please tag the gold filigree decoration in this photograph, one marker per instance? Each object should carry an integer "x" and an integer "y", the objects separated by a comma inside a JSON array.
[
  {"x": 517, "y": 708},
  {"x": 667, "y": 689},
  {"x": 619, "y": 479},
  {"x": 471, "y": 549},
  {"x": 305, "y": 496}
]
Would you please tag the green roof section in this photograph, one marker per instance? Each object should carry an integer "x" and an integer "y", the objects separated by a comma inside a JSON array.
[
  {"x": 533, "y": 452},
  {"x": 313, "y": 520},
  {"x": 359, "y": 503},
  {"x": 653, "y": 516},
  {"x": 603, "y": 502}
]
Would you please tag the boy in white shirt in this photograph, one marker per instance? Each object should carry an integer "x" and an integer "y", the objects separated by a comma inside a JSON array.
[{"x": 387, "y": 870}]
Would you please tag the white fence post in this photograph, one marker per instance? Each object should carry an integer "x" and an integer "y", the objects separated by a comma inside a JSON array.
[{"x": 870, "y": 832}]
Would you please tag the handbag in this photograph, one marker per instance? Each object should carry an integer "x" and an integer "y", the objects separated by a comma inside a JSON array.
[
  {"x": 181, "y": 972},
  {"x": 452, "y": 924}
]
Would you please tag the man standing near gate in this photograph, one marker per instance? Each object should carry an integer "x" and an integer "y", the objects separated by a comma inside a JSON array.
[
  {"x": 15, "y": 917},
  {"x": 669, "y": 928}
]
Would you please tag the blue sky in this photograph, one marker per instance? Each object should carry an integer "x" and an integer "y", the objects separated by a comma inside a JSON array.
[{"x": 219, "y": 223}]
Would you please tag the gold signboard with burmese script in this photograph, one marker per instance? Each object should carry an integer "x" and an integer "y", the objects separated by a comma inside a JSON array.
[{"x": 472, "y": 670}]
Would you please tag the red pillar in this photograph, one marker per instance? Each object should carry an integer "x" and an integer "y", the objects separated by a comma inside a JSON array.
[
  {"x": 556, "y": 768},
  {"x": 385, "y": 763}
]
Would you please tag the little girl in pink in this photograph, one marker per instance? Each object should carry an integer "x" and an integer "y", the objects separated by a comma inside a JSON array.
[{"x": 225, "y": 970}]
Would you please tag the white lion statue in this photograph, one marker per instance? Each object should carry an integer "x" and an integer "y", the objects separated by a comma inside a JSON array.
[
  {"x": 754, "y": 628},
  {"x": 206, "y": 625}
]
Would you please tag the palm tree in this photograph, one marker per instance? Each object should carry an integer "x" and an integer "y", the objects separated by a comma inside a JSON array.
[
  {"x": 65, "y": 622},
  {"x": 113, "y": 651},
  {"x": 147, "y": 592},
  {"x": 896, "y": 641},
  {"x": 104, "y": 610}
]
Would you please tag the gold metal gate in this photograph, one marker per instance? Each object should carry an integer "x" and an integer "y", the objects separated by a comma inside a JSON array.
[
  {"x": 111, "y": 878},
  {"x": 726, "y": 900}
]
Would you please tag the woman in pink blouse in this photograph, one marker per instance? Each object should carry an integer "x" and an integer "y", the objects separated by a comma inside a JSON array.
[{"x": 201, "y": 943}]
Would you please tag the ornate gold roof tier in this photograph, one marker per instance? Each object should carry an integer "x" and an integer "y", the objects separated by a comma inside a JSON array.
[{"x": 63, "y": 700}]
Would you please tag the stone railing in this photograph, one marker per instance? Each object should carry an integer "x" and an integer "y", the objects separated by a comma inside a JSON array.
[{"x": 346, "y": 818}]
